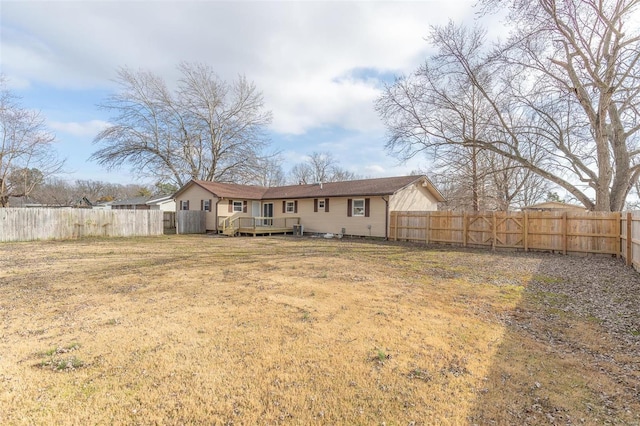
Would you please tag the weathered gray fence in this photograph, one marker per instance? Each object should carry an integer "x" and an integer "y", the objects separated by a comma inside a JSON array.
[
  {"x": 27, "y": 224},
  {"x": 191, "y": 222},
  {"x": 169, "y": 222}
]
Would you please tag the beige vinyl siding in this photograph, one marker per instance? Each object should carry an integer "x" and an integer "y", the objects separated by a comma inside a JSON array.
[
  {"x": 336, "y": 218},
  {"x": 195, "y": 194},
  {"x": 223, "y": 208},
  {"x": 413, "y": 198}
]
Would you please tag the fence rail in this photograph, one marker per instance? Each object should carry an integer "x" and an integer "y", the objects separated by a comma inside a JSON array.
[
  {"x": 21, "y": 224},
  {"x": 564, "y": 232}
]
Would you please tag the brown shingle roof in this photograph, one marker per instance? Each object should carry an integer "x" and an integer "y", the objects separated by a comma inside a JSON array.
[
  {"x": 362, "y": 187},
  {"x": 232, "y": 190},
  {"x": 380, "y": 186}
]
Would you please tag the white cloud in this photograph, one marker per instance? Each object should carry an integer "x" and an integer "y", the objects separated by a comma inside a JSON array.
[
  {"x": 87, "y": 128},
  {"x": 374, "y": 169},
  {"x": 297, "y": 52},
  {"x": 317, "y": 63}
]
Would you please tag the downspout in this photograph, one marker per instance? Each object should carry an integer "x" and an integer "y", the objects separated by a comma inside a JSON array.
[
  {"x": 215, "y": 215},
  {"x": 386, "y": 218}
]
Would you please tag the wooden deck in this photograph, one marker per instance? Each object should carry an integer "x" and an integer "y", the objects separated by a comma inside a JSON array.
[
  {"x": 257, "y": 225},
  {"x": 265, "y": 230}
]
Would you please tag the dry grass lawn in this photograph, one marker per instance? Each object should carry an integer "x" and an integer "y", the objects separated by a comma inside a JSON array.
[{"x": 204, "y": 330}]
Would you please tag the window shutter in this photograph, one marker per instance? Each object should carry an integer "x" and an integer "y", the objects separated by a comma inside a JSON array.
[
  {"x": 315, "y": 205},
  {"x": 295, "y": 206},
  {"x": 187, "y": 204},
  {"x": 349, "y": 204},
  {"x": 366, "y": 207},
  {"x": 210, "y": 204},
  {"x": 326, "y": 205},
  {"x": 284, "y": 207},
  {"x": 201, "y": 204},
  {"x": 244, "y": 206},
  {"x": 230, "y": 206}
]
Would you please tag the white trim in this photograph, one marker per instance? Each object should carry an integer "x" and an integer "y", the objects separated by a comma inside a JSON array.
[
  {"x": 353, "y": 207},
  {"x": 290, "y": 207}
]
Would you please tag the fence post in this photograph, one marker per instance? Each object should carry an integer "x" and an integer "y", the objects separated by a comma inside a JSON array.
[
  {"x": 525, "y": 231},
  {"x": 618, "y": 232},
  {"x": 493, "y": 241},
  {"x": 427, "y": 231},
  {"x": 629, "y": 260},
  {"x": 564, "y": 233},
  {"x": 395, "y": 227},
  {"x": 464, "y": 229}
]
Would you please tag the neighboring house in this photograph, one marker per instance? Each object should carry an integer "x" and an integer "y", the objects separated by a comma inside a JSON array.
[
  {"x": 28, "y": 202},
  {"x": 554, "y": 206},
  {"x": 136, "y": 203},
  {"x": 103, "y": 205},
  {"x": 161, "y": 202},
  {"x": 24, "y": 202},
  {"x": 165, "y": 203},
  {"x": 359, "y": 207}
]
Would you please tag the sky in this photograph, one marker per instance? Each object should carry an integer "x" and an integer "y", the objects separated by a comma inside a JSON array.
[{"x": 319, "y": 65}]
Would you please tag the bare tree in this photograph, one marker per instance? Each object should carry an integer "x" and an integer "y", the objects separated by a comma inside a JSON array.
[
  {"x": 319, "y": 167},
  {"x": 27, "y": 155},
  {"x": 208, "y": 129},
  {"x": 563, "y": 96},
  {"x": 267, "y": 172},
  {"x": 55, "y": 192},
  {"x": 60, "y": 192},
  {"x": 438, "y": 111}
]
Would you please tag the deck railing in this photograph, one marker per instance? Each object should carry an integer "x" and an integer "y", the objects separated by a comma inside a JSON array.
[
  {"x": 267, "y": 222},
  {"x": 228, "y": 222}
]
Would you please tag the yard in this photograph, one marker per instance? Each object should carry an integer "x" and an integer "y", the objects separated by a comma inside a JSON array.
[{"x": 286, "y": 330}]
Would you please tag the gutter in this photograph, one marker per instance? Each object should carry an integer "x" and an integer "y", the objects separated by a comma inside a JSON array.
[{"x": 215, "y": 214}]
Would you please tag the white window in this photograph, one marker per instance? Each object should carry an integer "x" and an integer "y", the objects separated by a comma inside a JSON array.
[
  {"x": 358, "y": 207},
  {"x": 206, "y": 205},
  {"x": 184, "y": 205},
  {"x": 290, "y": 208},
  {"x": 237, "y": 206},
  {"x": 320, "y": 204}
]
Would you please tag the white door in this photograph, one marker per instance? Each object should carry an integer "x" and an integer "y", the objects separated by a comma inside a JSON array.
[{"x": 255, "y": 208}]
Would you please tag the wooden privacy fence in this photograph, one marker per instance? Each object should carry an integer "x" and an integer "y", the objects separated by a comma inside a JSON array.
[
  {"x": 22, "y": 224},
  {"x": 563, "y": 232},
  {"x": 169, "y": 222},
  {"x": 630, "y": 238},
  {"x": 191, "y": 222}
]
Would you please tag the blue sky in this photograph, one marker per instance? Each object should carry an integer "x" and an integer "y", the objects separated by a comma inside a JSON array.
[{"x": 320, "y": 65}]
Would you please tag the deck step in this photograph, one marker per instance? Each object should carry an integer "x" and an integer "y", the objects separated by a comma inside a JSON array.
[{"x": 231, "y": 232}]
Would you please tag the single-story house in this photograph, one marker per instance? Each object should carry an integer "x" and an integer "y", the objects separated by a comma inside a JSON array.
[
  {"x": 166, "y": 203},
  {"x": 358, "y": 207},
  {"x": 160, "y": 202},
  {"x": 554, "y": 206},
  {"x": 135, "y": 203}
]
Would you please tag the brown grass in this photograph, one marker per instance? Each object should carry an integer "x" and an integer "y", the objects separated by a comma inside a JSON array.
[{"x": 202, "y": 330}]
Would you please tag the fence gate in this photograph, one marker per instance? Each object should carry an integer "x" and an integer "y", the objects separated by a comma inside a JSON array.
[{"x": 169, "y": 222}]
